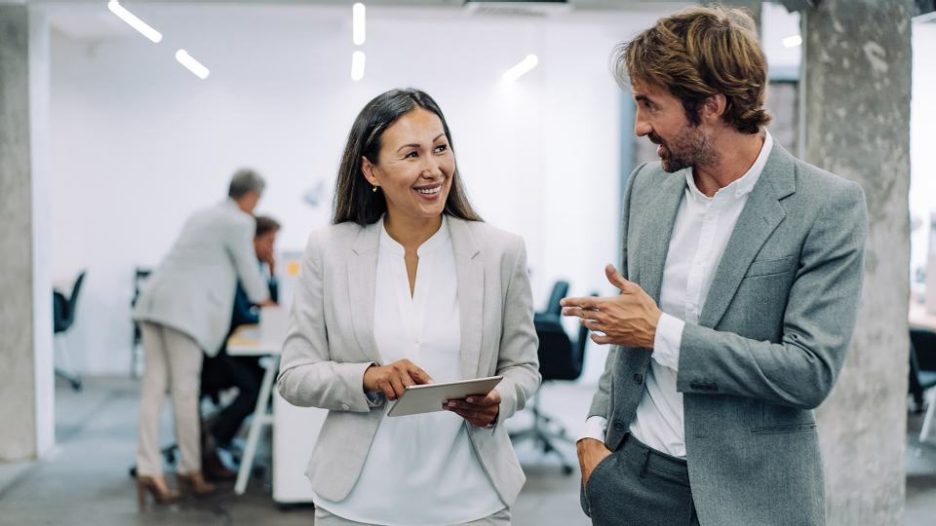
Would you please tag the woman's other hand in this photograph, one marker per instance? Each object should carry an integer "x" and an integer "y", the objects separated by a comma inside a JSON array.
[
  {"x": 393, "y": 379},
  {"x": 480, "y": 411}
]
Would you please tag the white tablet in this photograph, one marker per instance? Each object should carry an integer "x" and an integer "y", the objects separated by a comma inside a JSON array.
[{"x": 427, "y": 398}]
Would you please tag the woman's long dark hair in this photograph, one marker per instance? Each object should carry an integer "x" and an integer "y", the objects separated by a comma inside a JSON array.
[{"x": 354, "y": 198}]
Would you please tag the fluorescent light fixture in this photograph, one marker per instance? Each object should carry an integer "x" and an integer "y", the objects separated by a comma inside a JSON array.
[
  {"x": 357, "y": 65},
  {"x": 357, "y": 24},
  {"x": 792, "y": 41},
  {"x": 191, "y": 64},
  {"x": 134, "y": 21},
  {"x": 521, "y": 69}
]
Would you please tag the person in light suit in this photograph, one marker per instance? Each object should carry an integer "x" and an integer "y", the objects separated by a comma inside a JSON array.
[
  {"x": 740, "y": 285},
  {"x": 406, "y": 287},
  {"x": 184, "y": 310}
]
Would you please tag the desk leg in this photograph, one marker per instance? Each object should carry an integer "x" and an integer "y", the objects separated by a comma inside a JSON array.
[
  {"x": 261, "y": 416},
  {"x": 928, "y": 419}
]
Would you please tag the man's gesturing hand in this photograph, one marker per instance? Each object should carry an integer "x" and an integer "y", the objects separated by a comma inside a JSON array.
[{"x": 629, "y": 319}]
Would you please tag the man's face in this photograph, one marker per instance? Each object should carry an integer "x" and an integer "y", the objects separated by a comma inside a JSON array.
[
  {"x": 662, "y": 118},
  {"x": 264, "y": 244}
]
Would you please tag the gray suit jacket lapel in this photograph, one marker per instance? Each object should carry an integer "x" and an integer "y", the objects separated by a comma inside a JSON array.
[
  {"x": 470, "y": 275},
  {"x": 362, "y": 287},
  {"x": 656, "y": 232},
  {"x": 761, "y": 215}
]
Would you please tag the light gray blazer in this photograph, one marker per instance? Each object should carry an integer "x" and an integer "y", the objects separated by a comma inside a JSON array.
[
  {"x": 331, "y": 342},
  {"x": 769, "y": 345},
  {"x": 193, "y": 288}
]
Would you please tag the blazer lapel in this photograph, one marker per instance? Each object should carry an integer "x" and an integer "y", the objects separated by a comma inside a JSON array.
[
  {"x": 655, "y": 232},
  {"x": 469, "y": 273},
  {"x": 761, "y": 215},
  {"x": 362, "y": 287}
]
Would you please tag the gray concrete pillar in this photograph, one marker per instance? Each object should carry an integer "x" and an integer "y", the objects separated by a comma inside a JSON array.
[
  {"x": 856, "y": 93},
  {"x": 26, "y": 381}
]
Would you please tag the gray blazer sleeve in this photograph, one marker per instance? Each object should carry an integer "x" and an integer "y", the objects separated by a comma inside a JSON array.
[
  {"x": 308, "y": 377},
  {"x": 517, "y": 360},
  {"x": 240, "y": 246},
  {"x": 817, "y": 326},
  {"x": 601, "y": 402}
]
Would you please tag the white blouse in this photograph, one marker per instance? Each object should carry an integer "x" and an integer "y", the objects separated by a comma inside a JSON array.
[{"x": 421, "y": 469}]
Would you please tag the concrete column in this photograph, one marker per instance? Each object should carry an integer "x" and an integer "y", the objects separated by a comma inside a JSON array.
[
  {"x": 26, "y": 382},
  {"x": 857, "y": 124}
]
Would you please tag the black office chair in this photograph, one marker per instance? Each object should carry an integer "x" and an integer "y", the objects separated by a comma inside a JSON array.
[
  {"x": 63, "y": 316},
  {"x": 140, "y": 276},
  {"x": 560, "y": 290},
  {"x": 559, "y": 359},
  {"x": 922, "y": 366}
]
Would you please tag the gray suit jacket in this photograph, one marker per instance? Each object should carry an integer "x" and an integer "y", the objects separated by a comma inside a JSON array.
[
  {"x": 769, "y": 345},
  {"x": 331, "y": 342},
  {"x": 193, "y": 288}
]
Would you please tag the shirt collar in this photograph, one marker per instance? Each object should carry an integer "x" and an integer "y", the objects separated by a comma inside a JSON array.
[
  {"x": 437, "y": 240},
  {"x": 745, "y": 184}
]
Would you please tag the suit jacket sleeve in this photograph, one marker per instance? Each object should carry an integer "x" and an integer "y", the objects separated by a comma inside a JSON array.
[
  {"x": 241, "y": 249},
  {"x": 517, "y": 359},
  {"x": 601, "y": 402},
  {"x": 308, "y": 376},
  {"x": 817, "y": 326}
]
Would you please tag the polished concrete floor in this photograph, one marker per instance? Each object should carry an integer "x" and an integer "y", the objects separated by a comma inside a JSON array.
[{"x": 85, "y": 481}]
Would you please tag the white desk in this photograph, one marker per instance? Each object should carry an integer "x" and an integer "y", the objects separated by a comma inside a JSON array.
[
  {"x": 920, "y": 319},
  {"x": 295, "y": 429}
]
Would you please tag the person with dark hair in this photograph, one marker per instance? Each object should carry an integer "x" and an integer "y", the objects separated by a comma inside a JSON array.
[
  {"x": 183, "y": 311},
  {"x": 223, "y": 371},
  {"x": 743, "y": 270},
  {"x": 409, "y": 286}
]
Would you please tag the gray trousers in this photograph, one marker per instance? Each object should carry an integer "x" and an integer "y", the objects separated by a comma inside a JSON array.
[
  {"x": 639, "y": 486},
  {"x": 324, "y": 518},
  {"x": 173, "y": 363}
]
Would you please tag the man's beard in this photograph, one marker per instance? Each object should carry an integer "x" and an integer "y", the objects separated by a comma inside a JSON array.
[{"x": 688, "y": 149}]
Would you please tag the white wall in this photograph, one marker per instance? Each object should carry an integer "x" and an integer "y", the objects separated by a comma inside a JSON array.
[
  {"x": 922, "y": 140},
  {"x": 138, "y": 142}
]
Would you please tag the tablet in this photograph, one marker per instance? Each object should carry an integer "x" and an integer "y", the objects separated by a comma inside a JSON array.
[{"x": 427, "y": 398}]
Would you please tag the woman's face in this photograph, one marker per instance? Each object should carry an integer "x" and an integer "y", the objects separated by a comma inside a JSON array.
[{"x": 414, "y": 167}]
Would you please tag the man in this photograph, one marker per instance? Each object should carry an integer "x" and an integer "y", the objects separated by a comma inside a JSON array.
[
  {"x": 243, "y": 372},
  {"x": 183, "y": 311},
  {"x": 744, "y": 269}
]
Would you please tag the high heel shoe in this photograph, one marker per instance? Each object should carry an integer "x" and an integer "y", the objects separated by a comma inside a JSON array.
[
  {"x": 194, "y": 484},
  {"x": 155, "y": 486}
]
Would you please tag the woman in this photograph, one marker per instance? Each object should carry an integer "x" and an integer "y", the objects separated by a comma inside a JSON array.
[
  {"x": 406, "y": 287},
  {"x": 185, "y": 310}
]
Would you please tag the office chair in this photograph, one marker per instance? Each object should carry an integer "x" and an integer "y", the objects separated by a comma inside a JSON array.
[
  {"x": 63, "y": 316},
  {"x": 559, "y": 359},
  {"x": 139, "y": 278},
  {"x": 560, "y": 290},
  {"x": 922, "y": 375}
]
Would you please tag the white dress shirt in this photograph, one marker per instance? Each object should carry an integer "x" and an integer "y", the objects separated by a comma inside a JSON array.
[
  {"x": 700, "y": 234},
  {"x": 421, "y": 469}
]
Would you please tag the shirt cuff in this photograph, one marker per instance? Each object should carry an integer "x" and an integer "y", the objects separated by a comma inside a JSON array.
[
  {"x": 595, "y": 427},
  {"x": 667, "y": 341}
]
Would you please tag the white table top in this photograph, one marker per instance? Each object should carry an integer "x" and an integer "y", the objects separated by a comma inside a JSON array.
[
  {"x": 919, "y": 318},
  {"x": 248, "y": 340}
]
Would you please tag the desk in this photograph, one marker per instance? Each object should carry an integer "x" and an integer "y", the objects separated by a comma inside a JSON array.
[
  {"x": 922, "y": 320},
  {"x": 247, "y": 340},
  {"x": 295, "y": 428}
]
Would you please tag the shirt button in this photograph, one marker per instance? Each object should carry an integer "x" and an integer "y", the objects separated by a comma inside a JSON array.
[{"x": 345, "y": 406}]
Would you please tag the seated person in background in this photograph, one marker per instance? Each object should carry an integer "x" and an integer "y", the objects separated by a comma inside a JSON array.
[{"x": 244, "y": 372}]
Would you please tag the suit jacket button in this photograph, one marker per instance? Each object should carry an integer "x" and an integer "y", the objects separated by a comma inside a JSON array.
[
  {"x": 619, "y": 425},
  {"x": 638, "y": 378}
]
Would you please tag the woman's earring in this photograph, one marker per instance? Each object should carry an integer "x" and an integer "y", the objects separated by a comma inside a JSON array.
[{"x": 375, "y": 189}]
